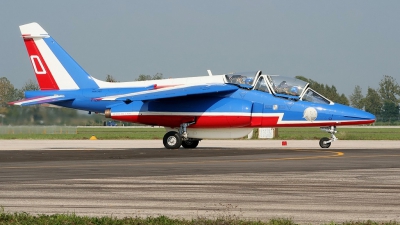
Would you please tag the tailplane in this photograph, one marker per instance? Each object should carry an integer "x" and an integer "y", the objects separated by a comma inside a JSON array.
[{"x": 54, "y": 68}]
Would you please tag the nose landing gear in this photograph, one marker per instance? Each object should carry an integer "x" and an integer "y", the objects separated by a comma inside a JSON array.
[{"x": 326, "y": 142}]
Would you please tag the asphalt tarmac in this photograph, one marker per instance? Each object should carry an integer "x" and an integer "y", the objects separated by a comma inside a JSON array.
[{"x": 352, "y": 180}]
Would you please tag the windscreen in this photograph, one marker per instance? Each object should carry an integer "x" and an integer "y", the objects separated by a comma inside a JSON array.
[{"x": 313, "y": 96}]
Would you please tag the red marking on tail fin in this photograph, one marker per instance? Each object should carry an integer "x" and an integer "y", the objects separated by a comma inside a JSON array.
[{"x": 43, "y": 75}]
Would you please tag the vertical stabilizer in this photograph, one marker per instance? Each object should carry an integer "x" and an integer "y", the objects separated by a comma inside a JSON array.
[{"x": 54, "y": 68}]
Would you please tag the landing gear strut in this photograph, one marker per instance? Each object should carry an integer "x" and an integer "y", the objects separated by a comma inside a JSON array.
[
  {"x": 174, "y": 140},
  {"x": 326, "y": 142}
]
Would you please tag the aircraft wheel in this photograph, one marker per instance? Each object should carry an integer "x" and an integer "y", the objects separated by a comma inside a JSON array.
[
  {"x": 324, "y": 145},
  {"x": 190, "y": 143},
  {"x": 172, "y": 140}
]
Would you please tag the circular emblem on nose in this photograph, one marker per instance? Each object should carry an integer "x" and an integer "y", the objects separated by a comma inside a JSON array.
[{"x": 310, "y": 114}]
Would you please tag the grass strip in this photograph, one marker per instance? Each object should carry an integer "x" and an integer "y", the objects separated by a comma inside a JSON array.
[
  {"x": 344, "y": 133},
  {"x": 299, "y": 133},
  {"x": 72, "y": 219}
]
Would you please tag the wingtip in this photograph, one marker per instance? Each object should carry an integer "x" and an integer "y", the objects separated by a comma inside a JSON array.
[{"x": 13, "y": 103}]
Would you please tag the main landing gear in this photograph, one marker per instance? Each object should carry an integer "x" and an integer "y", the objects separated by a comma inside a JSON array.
[
  {"x": 326, "y": 142},
  {"x": 174, "y": 140}
]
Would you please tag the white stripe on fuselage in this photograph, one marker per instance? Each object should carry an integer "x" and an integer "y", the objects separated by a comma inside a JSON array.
[
  {"x": 174, "y": 81},
  {"x": 179, "y": 114},
  {"x": 152, "y": 91}
]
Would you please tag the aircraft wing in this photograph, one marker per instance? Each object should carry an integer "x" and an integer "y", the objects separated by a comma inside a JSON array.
[
  {"x": 41, "y": 100},
  {"x": 172, "y": 92}
]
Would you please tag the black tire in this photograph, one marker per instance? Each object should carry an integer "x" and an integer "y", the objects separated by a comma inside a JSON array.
[
  {"x": 190, "y": 143},
  {"x": 324, "y": 145},
  {"x": 172, "y": 140}
]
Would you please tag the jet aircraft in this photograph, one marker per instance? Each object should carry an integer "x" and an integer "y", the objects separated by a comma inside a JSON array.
[{"x": 192, "y": 108}]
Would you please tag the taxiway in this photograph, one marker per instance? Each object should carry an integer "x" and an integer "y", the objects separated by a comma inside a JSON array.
[{"x": 353, "y": 180}]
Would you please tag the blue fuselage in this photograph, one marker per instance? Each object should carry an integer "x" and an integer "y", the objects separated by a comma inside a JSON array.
[{"x": 242, "y": 108}]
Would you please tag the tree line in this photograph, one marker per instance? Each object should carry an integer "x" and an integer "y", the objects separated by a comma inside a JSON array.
[
  {"x": 383, "y": 102},
  {"x": 32, "y": 115},
  {"x": 46, "y": 114}
]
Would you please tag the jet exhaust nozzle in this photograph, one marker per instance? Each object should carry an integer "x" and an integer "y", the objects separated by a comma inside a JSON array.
[{"x": 107, "y": 113}]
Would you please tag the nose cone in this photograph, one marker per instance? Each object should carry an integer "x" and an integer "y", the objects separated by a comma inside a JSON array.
[
  {"x": 352, "y": 116},
  {"x": 366, "y": 115}
]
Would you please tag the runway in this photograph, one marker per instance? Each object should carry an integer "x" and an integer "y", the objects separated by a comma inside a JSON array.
[{"x": 352, "y": 180}]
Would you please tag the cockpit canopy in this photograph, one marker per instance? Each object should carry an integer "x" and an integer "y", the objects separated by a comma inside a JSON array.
[
  {"x": 286, "y": 85},
  {"x": 280, "y": 86}
]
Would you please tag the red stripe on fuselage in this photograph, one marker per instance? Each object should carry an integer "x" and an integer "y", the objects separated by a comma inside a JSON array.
[
  {"x": 44, "y": 77},
  {"x": 175, "y": 121},
  {"x": 326, "y": 124}
]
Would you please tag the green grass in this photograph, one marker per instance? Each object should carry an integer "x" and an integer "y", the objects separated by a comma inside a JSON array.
[
  {"x": 100, "y": 133},
  {"x": 115, "y": 133},
  {"x": 72, "y": 219},
  {"x": 123, "y": 133}
]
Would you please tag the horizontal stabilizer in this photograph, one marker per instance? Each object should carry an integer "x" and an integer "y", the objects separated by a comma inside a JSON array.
[
  {"x": 172, "y": 92},
  {"x": 41, "y": 100}
]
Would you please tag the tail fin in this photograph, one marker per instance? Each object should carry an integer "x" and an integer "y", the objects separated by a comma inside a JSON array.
[{"x": 54, "y": 68}]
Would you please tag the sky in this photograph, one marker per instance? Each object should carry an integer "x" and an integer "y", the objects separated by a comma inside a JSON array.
[{"x": 342, "y": 43}]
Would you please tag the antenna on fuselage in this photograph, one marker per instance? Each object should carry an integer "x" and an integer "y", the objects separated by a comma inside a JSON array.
[{"x": 209, "y": 73}]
